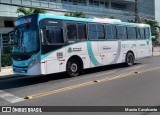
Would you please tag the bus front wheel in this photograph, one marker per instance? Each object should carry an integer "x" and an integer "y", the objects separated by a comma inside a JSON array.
[
  {"x": 129, "y": 59},
  {"x": 73, "y": 67}
]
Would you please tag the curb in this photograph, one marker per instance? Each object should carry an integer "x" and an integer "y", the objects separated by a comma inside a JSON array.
[
  {"x": 156, "y": 53},
  {"x": 6, "y": 67},
  {"x": 6, "y": 77}
]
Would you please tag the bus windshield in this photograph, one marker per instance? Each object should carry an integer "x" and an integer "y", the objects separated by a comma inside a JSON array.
[{"x": 26, "y": 39}]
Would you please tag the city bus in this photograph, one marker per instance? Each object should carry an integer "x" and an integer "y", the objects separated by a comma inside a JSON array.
[{"x": 46, "y": 44}]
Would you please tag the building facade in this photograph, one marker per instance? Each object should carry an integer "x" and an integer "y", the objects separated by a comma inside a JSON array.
[{"x": 120, "y": 9}]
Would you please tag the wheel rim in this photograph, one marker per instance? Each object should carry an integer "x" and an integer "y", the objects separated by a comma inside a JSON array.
[
  {"x": 74, "y": 67},
  {"x": 130, "y": 59}
]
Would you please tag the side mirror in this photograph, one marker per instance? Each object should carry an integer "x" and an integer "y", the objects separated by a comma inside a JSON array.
[
  {"x": 153, "y": 37},
  {"x": 11, "y": 42},
  {"x": 42, "y": 35},
  {"x": 47, "y": 33}
]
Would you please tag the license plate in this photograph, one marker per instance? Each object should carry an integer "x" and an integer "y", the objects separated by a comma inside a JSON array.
[{"x": 19, "y": 71}]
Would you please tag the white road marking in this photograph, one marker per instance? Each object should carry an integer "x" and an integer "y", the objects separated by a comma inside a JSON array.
[{"x": 10, "y": 97}]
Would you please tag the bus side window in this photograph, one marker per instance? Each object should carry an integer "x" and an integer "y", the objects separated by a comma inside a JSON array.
[
  {"x": 92, "y": 32},
  {"x": 140, "y": 33},
  {"x": 100, "y": 31},
  {"x": 110, "y": 32},
  {"x": 81, "y": 31},
  {"x": 121, "y": 32},
  {"x": 131, "y": 32},
  {"x": 54, "y": 35},
  {"x": 147, "y": 33},
  {"x": 71, "y": 31}
]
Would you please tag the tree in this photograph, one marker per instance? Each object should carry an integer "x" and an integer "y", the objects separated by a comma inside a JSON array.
[
  {"x": 154, "y": 30},
  {"x": 76, "y": 14},
  {"x": 112, "y": 17},
  {"x": 29, "y": 11}
]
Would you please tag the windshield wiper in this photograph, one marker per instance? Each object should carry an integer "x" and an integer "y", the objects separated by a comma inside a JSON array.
[
  {"x": 16, "y": 36},
  {"x": 27, "y": 26}
]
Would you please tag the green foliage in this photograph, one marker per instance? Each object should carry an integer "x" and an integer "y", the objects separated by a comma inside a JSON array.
[
  {"x": 29, "y": 11},
  {"x": 112, "y": 17},
  {"x": 154, "y": 31},
  {"x": 36, "y": 11},
  {"x": 76, "y": 14},
  {"x": 6, "y": 60},
  {"x": 7, "y": 50},
  {"x": 6, "y": 57}
]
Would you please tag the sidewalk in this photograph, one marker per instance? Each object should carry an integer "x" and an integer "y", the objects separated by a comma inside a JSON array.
[
  {"x": 156, "y": 51},
  {"x": 6, "y": 71}
]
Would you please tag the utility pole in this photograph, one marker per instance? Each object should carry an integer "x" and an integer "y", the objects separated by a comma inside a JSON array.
[
  {"x": 0, "y": 51},
  {"x": 136, "y": 12}
]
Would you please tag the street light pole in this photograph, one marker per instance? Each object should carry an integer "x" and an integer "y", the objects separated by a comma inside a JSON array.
[
  {"x": 136, "y": 12},
  {"x": 0, "y": 50},
  {"x": 0, "y": 58}
]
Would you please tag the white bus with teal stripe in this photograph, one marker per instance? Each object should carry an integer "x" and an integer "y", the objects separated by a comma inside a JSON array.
[{"x": 47, "y": 44}]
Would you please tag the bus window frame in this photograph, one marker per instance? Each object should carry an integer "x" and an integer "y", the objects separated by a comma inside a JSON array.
[
  {"x": 46, "y": 40},
  {"x": 135, "y": 33},
  {"x": 66, "y": 30},
  {"x": 148, "y": 33},
  {"x": 103, "y": 31},
  {"x": 85, "y": 31},
  {"x": 137, "y": 29},
  {"x": 115, "y": 25},
  {"x": 124, "y": 26},
  {"x": 88, "y": 32}
]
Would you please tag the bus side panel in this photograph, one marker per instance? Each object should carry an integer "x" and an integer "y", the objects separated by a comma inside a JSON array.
[
  {"x": 51, "y": 61},
  {"x": 142, "y": 48},
  {"x": 149, "y": 48},
  {"x": 61, "y": 55},
  {"x": 43, "y": 68},
  {"x": 35, "y": 70},
  {"x": 52, "y": 66},
  {"x": 108, "y": 51},
  {"x": 78, "y": 49},
  {"x": 93, "y": 52},
  {"x": 126, "y": 47}
]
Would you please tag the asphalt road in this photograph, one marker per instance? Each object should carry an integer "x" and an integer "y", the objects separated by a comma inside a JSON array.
[{"x": 114, "y": 85}]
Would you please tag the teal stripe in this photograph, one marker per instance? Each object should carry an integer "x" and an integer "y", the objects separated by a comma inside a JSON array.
[
  {"x": 49, "y": 53},
  {"x": 91, "y": 55},
  {"x": 43, "y": 16}
]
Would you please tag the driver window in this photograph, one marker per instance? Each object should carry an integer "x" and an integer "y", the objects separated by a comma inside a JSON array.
[{"x": 54, "y": 35}]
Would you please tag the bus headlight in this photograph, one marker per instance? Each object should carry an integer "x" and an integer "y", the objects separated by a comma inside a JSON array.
[{"x": 32, "y": 63}]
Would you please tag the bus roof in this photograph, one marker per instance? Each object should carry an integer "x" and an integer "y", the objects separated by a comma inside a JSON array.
[{"x": 98, "y": 20}]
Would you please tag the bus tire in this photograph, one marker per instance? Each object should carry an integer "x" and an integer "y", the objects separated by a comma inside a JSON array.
[
  {"x": 73, "y": 67},
  {"x": 129, "y": 59}
]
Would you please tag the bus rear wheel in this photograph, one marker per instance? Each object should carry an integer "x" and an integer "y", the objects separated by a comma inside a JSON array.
[
  {"x": 129, "y": 59},
  {"x": 73, "y": 67}
]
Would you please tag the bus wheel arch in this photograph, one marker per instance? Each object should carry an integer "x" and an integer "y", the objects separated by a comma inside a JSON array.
[
  {"x": 74, "y": 66},
  {"x": 130, "y": 58}
]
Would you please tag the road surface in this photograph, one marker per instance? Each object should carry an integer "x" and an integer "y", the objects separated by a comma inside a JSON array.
[{"x": 114, "y": 85}]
